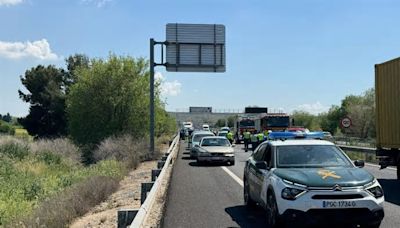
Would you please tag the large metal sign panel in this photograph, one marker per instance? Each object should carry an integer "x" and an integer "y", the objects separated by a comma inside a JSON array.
[
  {"x": 200, "y": 109},
  {"x": 195, "y": 48}
]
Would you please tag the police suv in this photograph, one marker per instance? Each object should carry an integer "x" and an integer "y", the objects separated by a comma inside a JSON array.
[{"x": 311, "y": 182}]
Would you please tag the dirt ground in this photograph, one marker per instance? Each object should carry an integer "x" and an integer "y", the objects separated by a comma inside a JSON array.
[{"x": 126, "y": 197}]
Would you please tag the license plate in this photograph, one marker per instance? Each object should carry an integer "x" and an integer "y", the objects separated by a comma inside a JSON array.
[{"x": 338, "y": 204}]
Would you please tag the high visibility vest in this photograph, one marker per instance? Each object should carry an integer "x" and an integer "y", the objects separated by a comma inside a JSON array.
[
  {"x": 229, "y": 136},
  {"x": 254, "y": 138},
  {"x": 246, "y": 135},
  {"x": 260, "y": 136}
]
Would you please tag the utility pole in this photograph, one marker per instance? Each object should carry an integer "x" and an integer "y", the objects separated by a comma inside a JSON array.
[{"x": 152, "y": 116}]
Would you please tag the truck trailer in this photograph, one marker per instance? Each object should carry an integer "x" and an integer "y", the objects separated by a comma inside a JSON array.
[{"x": 387, "y": 100}]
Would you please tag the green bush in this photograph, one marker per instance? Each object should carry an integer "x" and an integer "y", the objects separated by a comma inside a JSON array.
[
  {"x": 14, "y": 150},
  {"x": 50, "y": 158}
]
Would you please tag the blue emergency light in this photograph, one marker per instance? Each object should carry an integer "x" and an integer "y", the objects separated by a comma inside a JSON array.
[{"x": 296, "y": 135}]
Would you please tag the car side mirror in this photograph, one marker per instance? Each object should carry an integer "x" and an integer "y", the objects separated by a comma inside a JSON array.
[
  {"x": 197, "y": 145},
  {"x": 261, "y": 165},
  {"x": 359, "y": 163}
]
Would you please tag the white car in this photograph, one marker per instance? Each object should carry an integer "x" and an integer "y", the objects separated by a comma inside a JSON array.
[
  {"x": 196, "y": 138},
  {"x": 311, "y": 182},
  {"x": 215, "y": 149},
  {"x": 223, "y": 133},
  {"x": 206, "y": 127}
]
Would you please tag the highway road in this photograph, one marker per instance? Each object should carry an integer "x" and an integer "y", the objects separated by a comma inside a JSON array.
[{"x": 212, "y": 196}]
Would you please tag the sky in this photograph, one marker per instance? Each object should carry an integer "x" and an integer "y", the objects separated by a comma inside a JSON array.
[{"x": 284, "y": 54}]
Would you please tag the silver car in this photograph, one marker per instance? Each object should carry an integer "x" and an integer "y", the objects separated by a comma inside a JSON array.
[
  {"x": 215, "y": 149},
  {"x": 196, "y": 138}
]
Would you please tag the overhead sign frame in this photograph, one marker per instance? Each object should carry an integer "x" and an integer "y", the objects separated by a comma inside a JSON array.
[
  {"x": 195, "y": 47},
  {"x": 190, "y": 48}
]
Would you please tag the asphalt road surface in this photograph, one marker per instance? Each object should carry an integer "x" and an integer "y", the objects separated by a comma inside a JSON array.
[{"x": 212, "y": 196}]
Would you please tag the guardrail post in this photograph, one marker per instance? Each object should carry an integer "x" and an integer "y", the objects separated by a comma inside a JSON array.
[
  {"x": 154, "y": 174},
  {"x": 164, "y": 158},
  {"x": 160, "y": 164},
  {"x": 146, "y": 187},
  {"x": 125, "y": 217}
]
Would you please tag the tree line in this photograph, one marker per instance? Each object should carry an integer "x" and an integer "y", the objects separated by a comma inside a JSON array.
[
  {"x": 92, "y": 99},
  {"x": 359, "y": 108}
]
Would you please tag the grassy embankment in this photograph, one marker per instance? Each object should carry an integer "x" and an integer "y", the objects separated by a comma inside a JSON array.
[{"x": 44, "y": 182}]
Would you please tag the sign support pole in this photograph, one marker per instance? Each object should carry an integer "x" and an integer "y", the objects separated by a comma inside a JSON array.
[{"x": 152, "y": 116}]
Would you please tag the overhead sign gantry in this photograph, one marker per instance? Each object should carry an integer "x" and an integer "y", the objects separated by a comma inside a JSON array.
[{"x": 189, "y": 48}]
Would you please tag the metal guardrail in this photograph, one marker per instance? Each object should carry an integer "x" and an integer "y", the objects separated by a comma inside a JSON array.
[
  {"x": 366, "y": 150},
  {"x": 146, "y": 207}
]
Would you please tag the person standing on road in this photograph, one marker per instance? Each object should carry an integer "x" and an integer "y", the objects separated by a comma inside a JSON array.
[
  {"x": 229, "y": 136},
  {"x": 246, "y": 139},
  {"x": 266, "y": 133},
  {"x": 260, "y": 137},
  {"x": 254, "y": 141}
]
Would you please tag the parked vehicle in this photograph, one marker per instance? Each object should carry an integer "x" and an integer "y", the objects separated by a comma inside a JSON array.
[
  {"x": 206, "y": 127},
  {"x": 215, "y": 149},
  {"x": 196, "y": 138},
  {"x": 188, "y": 126},
  {"x": 223, "y": 133},
  {"x": 387, "y": 87},
  {"x": 311, "y": 182},
  {"x": 225, "y": 129}
]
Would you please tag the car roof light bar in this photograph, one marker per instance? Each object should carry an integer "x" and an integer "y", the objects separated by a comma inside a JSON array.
[{"x": 295, "y": 135}]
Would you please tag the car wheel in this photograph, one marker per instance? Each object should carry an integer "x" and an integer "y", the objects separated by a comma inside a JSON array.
[
  {"x": 248, "y": 201},
  {"x": 232, "y": 163},
  {"x": 272, "y": 211}
]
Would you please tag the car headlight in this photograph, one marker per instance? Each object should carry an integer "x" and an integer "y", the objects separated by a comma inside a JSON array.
[
  {"x": 291, "y": 193},
  {"x": 376, "y": 191}
]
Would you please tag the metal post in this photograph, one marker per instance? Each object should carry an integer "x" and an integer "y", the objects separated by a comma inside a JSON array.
[{"x": 152, "y": 116}]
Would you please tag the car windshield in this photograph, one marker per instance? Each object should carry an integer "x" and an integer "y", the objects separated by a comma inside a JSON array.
[
  {"x": 311, "y": 156},
  {"x": 215, "y": 142},
  {"x": 222, "y": 134},
  {"x": 198, "y": 137}
]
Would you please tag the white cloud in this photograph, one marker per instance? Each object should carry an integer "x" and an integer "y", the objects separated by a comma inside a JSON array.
[
  {"x": 10, "y": 2},
  {"x": 168, "y": 88},
  {"x": 39, "y": 49},
  {"x": 98, "y": 3},
  {"x": 315, "y": 108}
]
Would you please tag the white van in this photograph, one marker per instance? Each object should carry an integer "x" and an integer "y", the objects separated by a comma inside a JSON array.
[{"x": 206, "y": 127}]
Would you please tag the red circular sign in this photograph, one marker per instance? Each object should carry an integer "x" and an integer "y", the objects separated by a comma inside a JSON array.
[{"x": 345, "y": 122}]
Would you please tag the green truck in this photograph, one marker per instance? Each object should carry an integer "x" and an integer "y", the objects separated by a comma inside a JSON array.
[{"x": 387, "y": 97}]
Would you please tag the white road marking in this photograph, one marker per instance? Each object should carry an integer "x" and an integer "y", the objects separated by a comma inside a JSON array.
[
  {"x": 378, "y": 166},
  {"x": 236, "y": 178}
]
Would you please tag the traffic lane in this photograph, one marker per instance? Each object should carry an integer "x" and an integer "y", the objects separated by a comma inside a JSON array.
[
  {"x": 241, "y": 157},
  {"x": 386, "y": 177},
  {"x": 391, "y": 188},
  {"x": 205, "y": 196}
]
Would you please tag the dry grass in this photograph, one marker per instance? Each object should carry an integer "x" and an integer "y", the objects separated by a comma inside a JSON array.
[
  {"x": 63, "y": 208},
  {"x": 60, "y": 146},
  {"x": 125, "y": 149}
]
